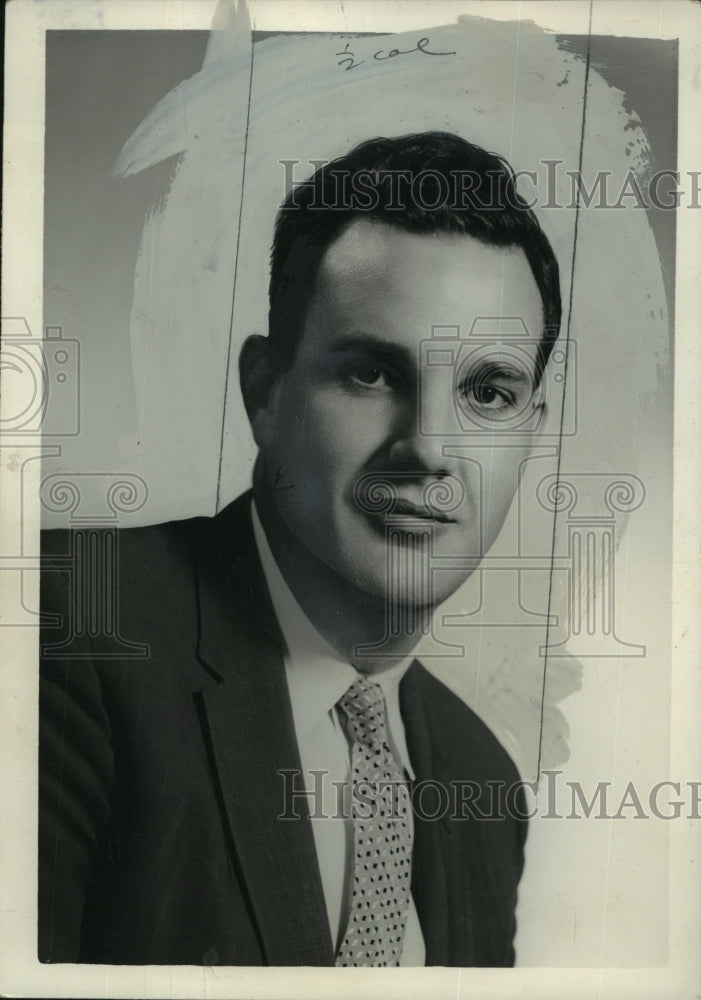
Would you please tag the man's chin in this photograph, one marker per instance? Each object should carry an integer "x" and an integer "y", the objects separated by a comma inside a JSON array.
[
  {"x": 407, "y": 595},
  {"x": 401, "y": 575}
]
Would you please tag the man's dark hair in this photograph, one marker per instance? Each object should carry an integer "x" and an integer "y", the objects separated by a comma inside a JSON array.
[{"x": 431, "y": 182}]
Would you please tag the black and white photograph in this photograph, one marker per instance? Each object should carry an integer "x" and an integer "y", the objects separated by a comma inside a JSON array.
[{"x": 349, "y": 458}]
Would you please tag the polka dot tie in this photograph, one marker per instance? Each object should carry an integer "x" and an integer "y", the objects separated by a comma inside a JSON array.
[{"x": 382, "y": 836}]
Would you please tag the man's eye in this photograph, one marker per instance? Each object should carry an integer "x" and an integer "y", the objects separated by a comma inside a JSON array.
[
  {"x": 487, "y": 396},
  {"x": 374, "y": 378}
]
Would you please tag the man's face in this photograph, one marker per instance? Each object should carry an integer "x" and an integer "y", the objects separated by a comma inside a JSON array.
[{"x": 357, "y": 408}]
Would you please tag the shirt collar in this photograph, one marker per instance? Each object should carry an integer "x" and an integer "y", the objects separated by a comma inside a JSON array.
[{"x": 316, "y": 675}]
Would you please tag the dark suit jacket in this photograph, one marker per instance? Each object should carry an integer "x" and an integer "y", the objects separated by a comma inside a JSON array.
[{"x": 160, "y": 790}]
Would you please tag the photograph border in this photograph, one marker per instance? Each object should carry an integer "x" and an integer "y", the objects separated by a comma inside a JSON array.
[{"x": 22, "y": 288}]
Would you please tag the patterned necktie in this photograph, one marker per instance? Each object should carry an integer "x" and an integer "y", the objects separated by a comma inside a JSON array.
[{"x": 382, "y": 836}]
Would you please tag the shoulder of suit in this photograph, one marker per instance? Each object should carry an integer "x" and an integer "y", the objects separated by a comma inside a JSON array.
[
  {"x": 161, "y": 535},
  {"x": 458, "y": 727}
]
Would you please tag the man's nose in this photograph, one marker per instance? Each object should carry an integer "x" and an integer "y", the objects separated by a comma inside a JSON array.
[{"x": 426, "y": 424}]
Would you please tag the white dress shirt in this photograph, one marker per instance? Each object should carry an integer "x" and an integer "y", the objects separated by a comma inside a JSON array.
[{"x": 317, "y": 677}]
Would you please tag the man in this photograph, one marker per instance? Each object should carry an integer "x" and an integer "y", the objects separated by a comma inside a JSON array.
[{"x": 249, "y": 794}]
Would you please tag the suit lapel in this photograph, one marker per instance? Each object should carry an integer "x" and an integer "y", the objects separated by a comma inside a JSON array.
[
  {"x": 251, "y": 732},
  {"x": 437, "y": 855}
]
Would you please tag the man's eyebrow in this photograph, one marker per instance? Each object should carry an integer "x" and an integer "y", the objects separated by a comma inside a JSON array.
[
  {"x": 508, "y": 371},
  {"x": 402, "y": 357},
  {"x": 370, "y": 343}
]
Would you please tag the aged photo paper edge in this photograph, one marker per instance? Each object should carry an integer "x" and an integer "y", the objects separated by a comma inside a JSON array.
[{"x": 21, "y": 974}]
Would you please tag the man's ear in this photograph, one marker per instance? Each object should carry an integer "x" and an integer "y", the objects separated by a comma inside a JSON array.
[{"x": 258, "y": 376}]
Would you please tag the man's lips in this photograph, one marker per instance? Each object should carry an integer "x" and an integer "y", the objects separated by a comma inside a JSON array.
[
  {"x": 393, "y": 495},
  {"x": 408, "y": 508}
]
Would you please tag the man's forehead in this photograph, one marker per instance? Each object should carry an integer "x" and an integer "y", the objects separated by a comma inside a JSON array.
[
  {"x": 377, "y": 271},
  {"x": 368, "y": 245}
]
